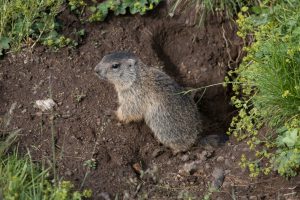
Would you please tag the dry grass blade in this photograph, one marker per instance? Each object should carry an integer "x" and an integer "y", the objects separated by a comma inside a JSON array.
[{"x": 9, "y": 136}]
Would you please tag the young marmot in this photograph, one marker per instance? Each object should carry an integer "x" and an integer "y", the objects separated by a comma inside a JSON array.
[{"x": 149, "y": 94}]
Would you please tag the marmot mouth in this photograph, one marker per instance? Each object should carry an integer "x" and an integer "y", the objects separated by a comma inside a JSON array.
[{"x": 100, "y": 76}]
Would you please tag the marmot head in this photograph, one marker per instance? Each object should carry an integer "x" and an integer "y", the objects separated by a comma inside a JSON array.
[{"x": 119, "y": 68}]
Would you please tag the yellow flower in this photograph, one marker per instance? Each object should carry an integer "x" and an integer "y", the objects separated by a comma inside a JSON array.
[
  {"x": 285, "y": 94},
  {"x": 244, "y": 9}
]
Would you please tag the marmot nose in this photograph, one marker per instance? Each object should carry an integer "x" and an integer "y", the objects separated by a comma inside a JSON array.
[
  {"x": 96, "y": 69},
  {"x": 99, "y": 72}
]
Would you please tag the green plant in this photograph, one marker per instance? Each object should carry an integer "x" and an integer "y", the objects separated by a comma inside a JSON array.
[
  {"x": 28, "y": 22},
  {"x": 75, "y": 4},
  {"x": 90, "y": 164},
  {"x": 101, "y": 10},
  {"x": 7, "y": 137},
  {"x": 20, "y": 178},
  {"x": 203, "y": 7},
  {"x": 267, "y": 89}
]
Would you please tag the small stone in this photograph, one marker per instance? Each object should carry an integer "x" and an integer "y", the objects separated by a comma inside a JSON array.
[
  {"x": 126, "y": 195},
  {"x": 253, "y": 198},
  {"x": 39, "y": 114},
  {"x": 98, "y": 121},
  {"x": 24, "y": 111},
  {"x": 68, "y": 173},
  {"x": 227, "y": 163},
  {"x": 104, "y": 196},
  {"x": 182, "y": 172},
  {"x": 185, "y": 158},
  {"x": 137, "y": 168},
  {"x": 207, "y": 166},
  {"x": 45, "y": 105},
  {"x": 220, "y": 159},
  {"x": 204, "y": 155},
  {"x": 192, "y": 167},
  {"x": 219, "y": 176},
  {"x": 210, "y": 153},
  {"x": 235, "y": 148},
  {"x": 157, "y": 152},
  {"x": 246, "y": 149},
  {"x": 232, "y": 157}
]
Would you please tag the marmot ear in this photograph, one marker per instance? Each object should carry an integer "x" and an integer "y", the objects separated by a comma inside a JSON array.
[{"x": 131, "y": 62}]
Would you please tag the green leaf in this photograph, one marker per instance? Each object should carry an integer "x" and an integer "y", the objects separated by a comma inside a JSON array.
[
  {"x": 81, "y": 32},
  {"x": 281, "y": 130},
  {"x": 4, "y": 43},
  {"x": 291, "y": 138},
  {"x": 93, "y": 9}
]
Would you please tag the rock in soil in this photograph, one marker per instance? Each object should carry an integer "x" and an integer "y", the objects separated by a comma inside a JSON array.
[
  {"x": 157, "y": 152},
  {"x": 185, "y": 158},
  {"x": 220, "y": 159},
  {"x": 218, "y": 175},
  {"x": 192, "y": 167},
  {"x": 45, "y": 105}
]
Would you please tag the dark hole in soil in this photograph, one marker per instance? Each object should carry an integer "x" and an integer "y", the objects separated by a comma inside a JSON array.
[{"x": 178, "y": 44}]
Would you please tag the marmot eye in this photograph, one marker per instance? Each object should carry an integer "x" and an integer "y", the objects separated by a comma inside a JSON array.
[{"x": 115, "y": 66}]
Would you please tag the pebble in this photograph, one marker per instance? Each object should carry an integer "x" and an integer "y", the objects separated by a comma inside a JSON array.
[
  {"x": 228, "y": 162},
  {"x": 246, "y": 149},
  {"x": 204, "y": 155},
  {"x": 219, "y": 175},
  {"x": 207, "y": 166},
  {"x": 104, "y": 196},
  {"x": 137, "y": 168},
  {"x": 68, "y": 173},
  {"x": 235, "y": 148},
  {"x": 253, "y": 198},
  {"x": 220, "y": 159},
  {"x": 192, "y": 167},
  {"x": 185, "y": 158},
  {"x": 45, "y": 105},
  {"x": 157, "y": 152}
]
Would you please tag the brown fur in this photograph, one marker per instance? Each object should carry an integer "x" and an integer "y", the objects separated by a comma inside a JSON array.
[{"x": 149, "y": 94}]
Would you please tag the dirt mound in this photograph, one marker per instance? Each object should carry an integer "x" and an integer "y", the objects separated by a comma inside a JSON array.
[{"x": 83, "y": 130}]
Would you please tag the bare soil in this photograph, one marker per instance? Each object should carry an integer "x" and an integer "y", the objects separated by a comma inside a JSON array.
[{"x": 131, "y": 164}]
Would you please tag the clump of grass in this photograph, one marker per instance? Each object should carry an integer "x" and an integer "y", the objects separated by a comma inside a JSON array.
[
  {"x": 7, "y": 138},
  {"x": 20, "y": 178},
  {"x": 203, "y": 7},
  {"x": 99, "y": 11},
  {"x": 269, "y": 95},
  {"x": 25, "y": 22}
]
